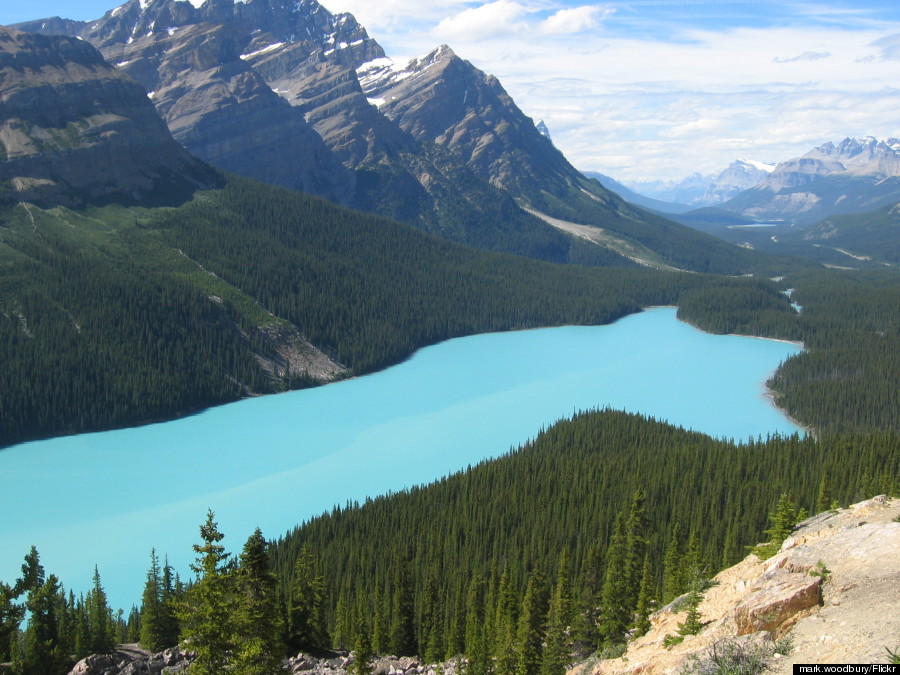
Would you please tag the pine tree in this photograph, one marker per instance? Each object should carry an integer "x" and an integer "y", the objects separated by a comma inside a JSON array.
[
  {"x": 258, "y": 649},
  {"x": 781, "y": 523},
  {"x": 477, "y": 647},
  {"x": 645, "y": 600},
  {"x": 635, "y": 549},
  {"x": 823, "y": 498},
  {"x": 151, "y": 608},
  {"x": 208, "y": 607},
  {"x": 11, "y": 615},
  {"x": 403, "y": 634},
  {"x": 100, "y": 619},
  {"x": 431, "y": 646},
  {"x": 530, "y": 633},
  {"x": 615, "y": 616},
  {"x": 306, "y": 605},
  {"x": 43, "y": 654},
  {"x": 557, "y": 649},
  {"x": 362, "y": 645},
  {"x": 674, "y": 581},
  {"x": 505, "y": 624}
]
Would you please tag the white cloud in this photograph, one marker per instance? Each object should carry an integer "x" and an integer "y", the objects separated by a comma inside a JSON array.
[
  {"x": 671, "y": 90},
  {"x": 805, "y": 56},
  {"x": 501, "y": 17},
  {"x": 889, "y": 46},
  {"x": 574, "y": 20}
]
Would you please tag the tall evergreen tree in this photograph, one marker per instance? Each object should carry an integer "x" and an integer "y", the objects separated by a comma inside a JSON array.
[
  {"x": 615, "y": 615},
  {"x": 306, "y": 607},
  {"x": 505, "y": 625},
  {"x": 532, "y": 618},
  {"x": 644, "y": 601},
  {"x": 208, "y": 608},
  {"x": 100, "y": 619},
  {"x": 362, "y": 644},
  {"x": 477, "y": 646},
  {"x": 674, "y": 578},
  {"x": 258, "y": 649},
  {"x": 403, "y": 633},
  {"x": 823, "y": 498},
  {"x": 11, "y": 616},
  {"x": 559, "y": 618},
  {"x": 43, "y": 654}
]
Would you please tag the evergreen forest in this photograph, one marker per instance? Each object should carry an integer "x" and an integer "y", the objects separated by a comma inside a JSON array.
[{"x": 117, "y": 316}]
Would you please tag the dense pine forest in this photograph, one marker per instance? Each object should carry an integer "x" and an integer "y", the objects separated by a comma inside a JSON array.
[
  {"x": 116, "y": 316},
  {"x": 113, "y": 317}
]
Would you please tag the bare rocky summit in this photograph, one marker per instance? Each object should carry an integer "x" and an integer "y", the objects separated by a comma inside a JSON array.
[
  {"x": 75, "y": 130},
  {"x": 830, "y": 595}
]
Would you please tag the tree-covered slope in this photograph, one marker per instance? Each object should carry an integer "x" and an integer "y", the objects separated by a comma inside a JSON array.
[
  {"x": 703, "y": 501},
  {"x": 115, "y": 316}
]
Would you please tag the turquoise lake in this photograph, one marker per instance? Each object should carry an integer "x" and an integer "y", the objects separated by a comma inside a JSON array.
[{"x": 274, "y": 461}]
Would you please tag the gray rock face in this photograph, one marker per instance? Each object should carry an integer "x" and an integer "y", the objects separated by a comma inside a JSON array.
[
  {"x": 856, "y": 175},
  {"x": 75, "y": 130},
  {"x": 442, "y": 99},
  {"x": 197, "y": 66}
]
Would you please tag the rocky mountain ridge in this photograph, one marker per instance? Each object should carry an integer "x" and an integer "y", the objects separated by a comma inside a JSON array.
[
  {"x": 75, "y": 130},
  {"x": 698, "y": 190},
  {"x": 829, "y": 595},
  {"x": 286, "y": 92},
  {"x": 857, "y": 175}
]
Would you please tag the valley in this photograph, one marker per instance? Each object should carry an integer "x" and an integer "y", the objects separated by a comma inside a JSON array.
[{"x": 253, "y": 269}]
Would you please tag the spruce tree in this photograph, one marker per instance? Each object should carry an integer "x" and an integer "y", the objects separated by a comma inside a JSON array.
[
  {"x": 505, "y": 624},
  {"x": 258, "y": 649},
  {"x": 306, "y": 605},
  {"x": 11, "y": 615},
  {"x": 43, "y": 654},
  {"x": 477, "y": 646},
  {"x": 635, "y": 549},
  {"x": 100, "y": 619},
  {"x": 207, "y": 611},
  {"x": 151, "y": 608},
  {"x": 823, "y": 498},
  {"x": 674, "y": 581},
  {"x": 559, "y": 617},
  {"x": 402, "y": 633},
  {"x": 644, "y": 601},
  {"x": 615, "y": 615},
  {"x": 530, "y": 633},
  {"x": 362, "y": 644}
]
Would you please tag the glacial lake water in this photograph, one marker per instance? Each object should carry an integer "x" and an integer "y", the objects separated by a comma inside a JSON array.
[{"x": 108, "y": 498}]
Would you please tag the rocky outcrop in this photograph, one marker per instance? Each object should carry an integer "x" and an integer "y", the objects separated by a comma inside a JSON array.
[
  {"x": 831, "y": 593},
  {"x": 74, "y": 130},
  {"x": 133, "y": 661}
]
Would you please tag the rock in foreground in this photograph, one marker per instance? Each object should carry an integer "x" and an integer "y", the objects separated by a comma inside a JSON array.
[{"x": 831, "y": 595}]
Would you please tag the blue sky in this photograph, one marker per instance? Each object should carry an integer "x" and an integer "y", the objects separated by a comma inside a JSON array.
[{"x": 653, "y": 89}]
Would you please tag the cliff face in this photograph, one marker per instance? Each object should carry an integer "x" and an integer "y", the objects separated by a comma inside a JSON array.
[
  {"x": 829, "y": 596},
  {"x": 75, "y": 130}
]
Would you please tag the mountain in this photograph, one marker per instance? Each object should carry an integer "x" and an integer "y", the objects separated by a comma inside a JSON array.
[
  {"x": 857, "y": 238},
  {"x": 738, "y": 176},
  {"x": 633, "y": 197},
  {"x": 855, "y": 176},
  {"x": 288, "y": 93},
  {"x": 701, "y": 191},
  {"x": 74, "y": 130}
]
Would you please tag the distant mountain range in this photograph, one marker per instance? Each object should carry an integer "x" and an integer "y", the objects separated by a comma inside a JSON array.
[
  {"x": 857, "y": 175},
  {"x": 697, "y": 190},
  {"x": 291, "y": 94}
]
